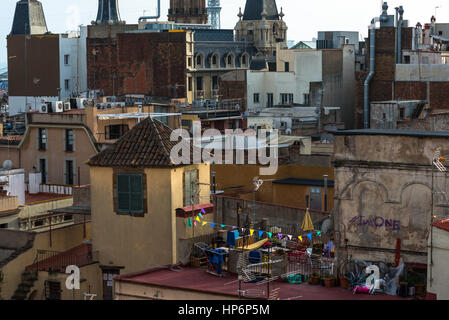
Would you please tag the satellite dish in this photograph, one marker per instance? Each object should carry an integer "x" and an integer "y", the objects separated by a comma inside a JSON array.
[
  {"x": 7, "y": 164},
  {"x": 327, "y": 225}
]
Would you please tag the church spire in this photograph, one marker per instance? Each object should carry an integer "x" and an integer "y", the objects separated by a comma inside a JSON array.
[{"x": 255, "y": 8}]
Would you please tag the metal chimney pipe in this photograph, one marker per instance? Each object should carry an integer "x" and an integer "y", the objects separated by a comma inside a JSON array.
[
  {"x": 401, "y": 20},
  {"x": 153, "y": 17},
  {"x": 372, "y": 67}
]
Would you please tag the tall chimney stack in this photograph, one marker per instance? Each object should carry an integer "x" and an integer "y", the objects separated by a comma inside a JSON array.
[{"x": 108, "y": 12}]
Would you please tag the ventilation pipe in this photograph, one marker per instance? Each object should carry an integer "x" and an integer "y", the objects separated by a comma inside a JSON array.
[
  {"x": 372, "y": 71},
  {"x": 153, "y": 17},
  {"x": 401, "y": 20}
]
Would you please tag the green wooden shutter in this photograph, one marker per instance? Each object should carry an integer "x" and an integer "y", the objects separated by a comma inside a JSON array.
[
  {"x": 129, "y": 193},
  {"x": 136, "y": 194},
  {"x": 123, "y": 190}
]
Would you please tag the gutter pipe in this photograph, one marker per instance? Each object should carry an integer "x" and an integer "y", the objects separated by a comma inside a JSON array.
[
  {"x": 372, "y": 57},
  {"x": 401, "y": 19},
  {"x": 153, "y": 17}
]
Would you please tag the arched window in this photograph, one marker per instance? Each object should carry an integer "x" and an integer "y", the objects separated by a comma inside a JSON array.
[
  {"x": 199, "y": 61},
  {"x": 244, "y": 60},
  {"x": 230, "y": 59},
  {"x": 215, "y": 61}
]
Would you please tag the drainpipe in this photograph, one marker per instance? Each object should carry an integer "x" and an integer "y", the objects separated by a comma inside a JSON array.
[
  {"x": 153, "y": 17},
  {"x": 372, "y": 68},
  {"x": 401, "y": 19},
  {"x": 397, "y": 35}
]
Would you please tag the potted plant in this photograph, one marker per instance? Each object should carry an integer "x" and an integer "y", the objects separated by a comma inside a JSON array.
[
  {"x": 329, "y": 281},
  {"x": 315, "y": 279},
  {"x": 344, "y": 283}
]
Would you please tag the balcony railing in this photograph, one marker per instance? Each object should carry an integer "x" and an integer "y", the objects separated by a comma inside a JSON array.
[
  {"x": 58, "y": 261},
  {"x": 213, "y": 105}
]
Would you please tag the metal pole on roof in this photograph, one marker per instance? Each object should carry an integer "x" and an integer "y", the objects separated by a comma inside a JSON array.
[{"x": 325, "y": 192}]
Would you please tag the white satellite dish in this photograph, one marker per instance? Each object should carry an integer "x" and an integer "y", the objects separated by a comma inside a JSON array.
[
  {"x": 327, "y": 225},
  {"x": 7, "y": 164}
]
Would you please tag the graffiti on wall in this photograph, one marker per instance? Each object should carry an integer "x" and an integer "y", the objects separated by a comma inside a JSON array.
[{"x": 376, "y": 222}]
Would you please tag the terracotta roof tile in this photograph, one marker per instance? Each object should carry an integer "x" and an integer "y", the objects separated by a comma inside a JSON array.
[{"x": 146, "y": 145}]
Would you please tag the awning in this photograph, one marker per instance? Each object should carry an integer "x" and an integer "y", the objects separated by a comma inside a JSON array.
[{"x": 189, "y": 212}]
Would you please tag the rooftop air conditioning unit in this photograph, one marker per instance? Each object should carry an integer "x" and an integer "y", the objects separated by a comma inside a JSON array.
[
  {"x": 67, "y": 106},
  {"x": 58, "y": 106},
  {"x": 109, "y": 105},
  {"x": 81, "y": 103},
  {"x": 43, "y": 108}
]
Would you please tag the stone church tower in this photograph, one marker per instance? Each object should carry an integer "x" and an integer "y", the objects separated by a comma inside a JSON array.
[
  {"x": 262, "y": 25},
  {"x": 188, "y": 11}
]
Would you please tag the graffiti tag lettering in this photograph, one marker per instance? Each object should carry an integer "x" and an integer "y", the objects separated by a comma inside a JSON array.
[{"x": 376, "y": 222}]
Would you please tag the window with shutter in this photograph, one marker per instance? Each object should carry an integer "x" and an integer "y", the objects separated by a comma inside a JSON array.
[
  {"x": 191, "y": 188},
  {"x": 130, "y": 194}
]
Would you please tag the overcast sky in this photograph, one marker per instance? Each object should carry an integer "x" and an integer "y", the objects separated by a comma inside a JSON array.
[{"x": 304, "y": 18}]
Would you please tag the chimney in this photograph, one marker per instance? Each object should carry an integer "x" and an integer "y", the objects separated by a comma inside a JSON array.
[
  {"x": 108, "y": 12},
  {"x": 29, "y": 18}
]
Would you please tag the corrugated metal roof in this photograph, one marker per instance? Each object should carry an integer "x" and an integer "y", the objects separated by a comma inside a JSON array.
[{"x": 304, "y": 182}]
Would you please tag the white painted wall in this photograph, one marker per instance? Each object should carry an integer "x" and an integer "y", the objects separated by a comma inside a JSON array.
[
  {"x": 440, "y": 270},
  {"x": 307, "y": 68},
  {"x": 15, "y": 187}
]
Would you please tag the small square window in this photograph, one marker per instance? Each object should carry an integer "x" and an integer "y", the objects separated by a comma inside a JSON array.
[
  {"x": 66, "y": 59},
  {"x": 256, "y": 98}
]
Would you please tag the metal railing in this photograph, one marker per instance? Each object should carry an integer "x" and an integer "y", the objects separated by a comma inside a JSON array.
[
  {"x": 213, "y": 105},
  {"x": 58, "y": 261}
]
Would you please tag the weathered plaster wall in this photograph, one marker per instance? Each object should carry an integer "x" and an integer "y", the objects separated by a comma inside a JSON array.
[{"x": 383, "y": 193}]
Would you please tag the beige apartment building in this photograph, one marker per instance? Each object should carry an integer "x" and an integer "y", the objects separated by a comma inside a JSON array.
[{"x": 142, "y": 220}]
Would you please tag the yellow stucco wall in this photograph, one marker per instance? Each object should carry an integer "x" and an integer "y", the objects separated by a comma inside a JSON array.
[
  {"x": 231, "y": 176},
  {"x": 90, "y": 282},
  {"x": 62, "y": 239},
  {"x": 138, "y": 243}
]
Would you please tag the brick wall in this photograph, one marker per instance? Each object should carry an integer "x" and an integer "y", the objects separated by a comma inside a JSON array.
[{"x": 139, "y": 63}]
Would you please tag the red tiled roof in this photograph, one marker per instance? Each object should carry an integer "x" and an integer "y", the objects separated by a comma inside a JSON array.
[
  {"x": 146, "y": 145},
  {"x": 42, "y": 197},
  {"x": 188, "y": 212},
  {"x": 442, "y": 224},
  {"x": 11, "y": 140},
  {"x": 79, "y": 256},
  {"x": 195, "y": 279}
]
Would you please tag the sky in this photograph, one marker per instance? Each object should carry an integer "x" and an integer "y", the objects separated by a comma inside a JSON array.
[{"x": 304, "y": 18}]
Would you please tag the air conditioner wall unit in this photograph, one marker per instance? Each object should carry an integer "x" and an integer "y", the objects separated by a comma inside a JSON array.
[
  {"x": 43, "y": 108},
  {"x": 58, "y": 106},
  {"x": 67, "y": 106}
]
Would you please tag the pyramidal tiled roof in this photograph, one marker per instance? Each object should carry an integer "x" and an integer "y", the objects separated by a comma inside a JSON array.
[
  {"x": 146, "y": 145},
  {"x": 254, "y": 9}
]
